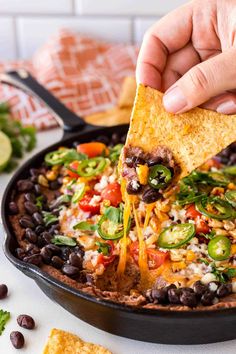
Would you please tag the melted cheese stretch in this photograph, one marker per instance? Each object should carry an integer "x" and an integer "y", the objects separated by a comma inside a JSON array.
[
  {"x": 149, "y": 209},
  {"x": 123, "y": 242},
  {"x": 142, "y": 259}
]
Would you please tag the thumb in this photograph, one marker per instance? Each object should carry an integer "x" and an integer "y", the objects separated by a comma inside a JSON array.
[{"x": 201, "y": 82}]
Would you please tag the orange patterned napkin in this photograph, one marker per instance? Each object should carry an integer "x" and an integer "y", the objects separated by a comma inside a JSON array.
[{"x": 84, "y": 73}]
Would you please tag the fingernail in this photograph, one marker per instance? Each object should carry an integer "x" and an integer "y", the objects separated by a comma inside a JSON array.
[
  {"x": 174, "y": 101},
  {"x": 228, "y": 107}
]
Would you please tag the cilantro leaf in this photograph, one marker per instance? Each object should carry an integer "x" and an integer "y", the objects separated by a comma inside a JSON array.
[
  {"x": 104, "y": 248},
  {"x": 49, "y": 218},
  {"x": 61, "y": 240},
  {"x": 4, "y": 318},
  {"x": 85, "y": 226}
]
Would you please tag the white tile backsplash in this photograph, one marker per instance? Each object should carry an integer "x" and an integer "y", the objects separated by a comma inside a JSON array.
[
  {"x": 36, "y": 6},
  {"x": 127, "y": 7},
  {"x": 26, "y": 24},
  {"x": 7, "y": 40},
  {"x": 33, "y": 32}
]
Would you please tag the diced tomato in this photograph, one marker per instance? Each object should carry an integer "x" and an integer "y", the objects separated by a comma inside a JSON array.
[
  {"x": 211, "y": 163},
  {"x": 112, "y": 193},
  {"x": 155, "y": 257},
  {"x": 86, "y": 205},
  {"x": 93, "y": 149},
  {"x": 106, "y": 260},
  {"x": 73, "y": 165},
  {"x": 192, "y": 213},
  {"x": 202, "y": 227}
]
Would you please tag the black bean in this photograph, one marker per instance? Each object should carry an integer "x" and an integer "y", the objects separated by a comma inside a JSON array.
[
  {"x": 34, "y": 172},
  {"x": 199, "y": 288},
  {"x": 224, "y": 290},
  {"x": 3, "y": 291},
  {"x": 154, "y": 161},
  {"x": 32, "y": 249},
  {"x": 103, "y": 139},
  {"x": 207, "y": 298},
  {"x": 47, "y": 237},
  {"x": 39, "y": 229},
  {"x": 38, "y": 219},
  {"x": 13, "y": 208},
  {"x": 188, "y": 298},
  {"x": 232, "y": 159},
  {"x": 26, "y": 222},
  {"x": 41, "y": 242},
  {"x": 174, "y": 296},
  {"x": 70, "y": 270},
  {"x": 30, "y": 235},
  {"x": 35, "y": 259},
  {"x": 24, "y": 185},
  {"x": 159, "y": 295},
  {"x": 38, "y": 189},
  {"x": 115, "y": 138},
  {"x": 30, "y": 208},
  {"x": 123, "y": 139},
  {"x": 79, "y": 251},
  {"x": 20, "y": 253},
  {"x": 133, "y": 187},
  {"x": 26, "y": 321},
  {"x": 57, "y": 262},
  {"x": 17, "y": 339},
  {"x": 54, "y": 228},
  {"x": 190, "y": 290},
  {"x": 150, "y": 196},
  {"x": 65, "y": 252},
  {"x": 54, "y": 249},
  {"x": 34, "y": 179},
  {"x": 75, "y": 260},
  {"x": 46, "y": 254},
  {"x": 54, "y": 185},
  {"x": 30, "y": 197}
]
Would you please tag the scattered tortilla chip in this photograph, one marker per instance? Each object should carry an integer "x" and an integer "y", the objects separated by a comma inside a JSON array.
[
  {"x": 114, "y": 116},
  {"x": 61, "y": 342},
  {"x": 192, "y": 137},
  {"x": 127, "y": 94}
]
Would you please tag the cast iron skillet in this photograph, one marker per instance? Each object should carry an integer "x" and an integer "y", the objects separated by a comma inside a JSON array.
[{"x": 160, "y": 326}]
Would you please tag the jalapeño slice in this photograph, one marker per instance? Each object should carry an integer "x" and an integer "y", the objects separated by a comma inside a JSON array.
[
  {"x": 230, "y": 196},
  {"x": 176, "y": 235},
  {"x": 223, "y": 209},
  {"x": 91, "y": 167},
  {"x": 219, "y": 248},
  {"x": 231, "y": 170},
  {"x": 110, "y": 230},
  {"x": 159, "y": 176}
]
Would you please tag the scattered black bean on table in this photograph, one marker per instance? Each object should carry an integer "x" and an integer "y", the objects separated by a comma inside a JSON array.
[
  {"x": 3, "y": 291},
  {"x": 17, "y": 339},
  {"x": 26, "y": 321}
]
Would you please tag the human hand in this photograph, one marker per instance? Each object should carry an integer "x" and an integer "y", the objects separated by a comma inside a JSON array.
[{"x": 190, "y": 54}]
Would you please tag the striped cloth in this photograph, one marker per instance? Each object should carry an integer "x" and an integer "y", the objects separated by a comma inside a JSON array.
[{"x": 84, "y": 73}]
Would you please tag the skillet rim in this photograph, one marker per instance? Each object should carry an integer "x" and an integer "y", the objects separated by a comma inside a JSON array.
[{"x": 28, "y": 268}]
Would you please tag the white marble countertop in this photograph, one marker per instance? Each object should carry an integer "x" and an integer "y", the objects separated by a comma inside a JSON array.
[{"x": 26, "y": 297}]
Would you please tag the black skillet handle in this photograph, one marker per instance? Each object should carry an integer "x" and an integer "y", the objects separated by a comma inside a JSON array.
[{"x": 68, "y": 120}]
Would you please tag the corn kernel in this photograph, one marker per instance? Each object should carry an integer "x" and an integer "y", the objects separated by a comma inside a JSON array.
[
  {"x": 43, "y": 181},
  {"x": 51, "y": 175},
  {"x": 142, "y": 172},
  {"x": 177, "y": 266},
  {"x": 190, "y": 256},
  {"x": 155, "y": 224},
  {"x": 231, "y": 186},
  {"x": 217, "y": 191},
  {"x": 233, "y": 249}
]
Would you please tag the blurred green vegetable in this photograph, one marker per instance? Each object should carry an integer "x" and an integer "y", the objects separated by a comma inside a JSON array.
[{"x": 23, "y": 139}]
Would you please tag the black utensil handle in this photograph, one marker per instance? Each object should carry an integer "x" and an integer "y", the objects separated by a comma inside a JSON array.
[{"x": 68, "y": 120}]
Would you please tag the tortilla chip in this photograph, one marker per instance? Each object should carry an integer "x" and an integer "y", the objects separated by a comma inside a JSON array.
[
  {"x": 61, "y": 342},
  {"x": 192, "y": 137},
  {"x": 127, "y": 94},
  {"x": 114, "y": 116}
]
